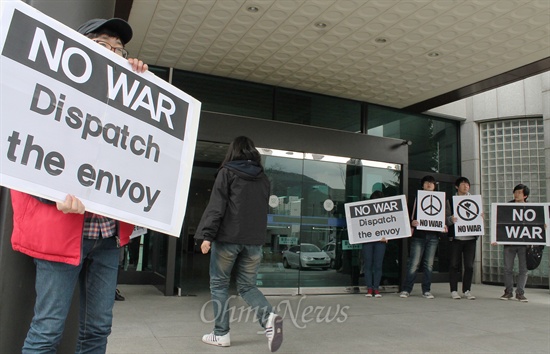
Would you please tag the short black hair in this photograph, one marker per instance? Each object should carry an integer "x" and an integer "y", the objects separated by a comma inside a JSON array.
[
  {"x": 377, "y": 194},
  {"x": 427, "y": 179},
  {"x": 522, "y": 187},
  {"x": 462, "y": 180}
]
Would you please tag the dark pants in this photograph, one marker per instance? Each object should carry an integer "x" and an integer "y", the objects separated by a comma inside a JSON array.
[{"x": 465, "y": 250}]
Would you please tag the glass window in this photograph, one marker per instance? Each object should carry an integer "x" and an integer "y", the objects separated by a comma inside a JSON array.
[
  {"x": 434, "y": 141},
  {"x": 317, "y": 110},
  {"x": 520, "y": 161},
  {"x": 226, "y": 95},
  {"x": 161, "y": 72}
]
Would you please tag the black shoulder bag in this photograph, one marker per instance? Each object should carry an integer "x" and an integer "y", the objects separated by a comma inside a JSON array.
[{"x": 534, "y": 256}]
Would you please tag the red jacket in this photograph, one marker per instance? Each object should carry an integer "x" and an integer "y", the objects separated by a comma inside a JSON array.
[{"x": 41, "y": 231}]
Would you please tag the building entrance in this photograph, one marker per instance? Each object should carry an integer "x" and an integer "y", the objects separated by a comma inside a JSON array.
[{"x": 306, "y": 244}]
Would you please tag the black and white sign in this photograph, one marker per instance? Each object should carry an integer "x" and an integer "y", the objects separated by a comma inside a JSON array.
[
  {"x": 519, "y": 223},
  {"x": 430, "y": 211},
  {"x": 75, "y": 119},
  {"x": 372, "y": 220},
  {"x": 468, "y": 211}
]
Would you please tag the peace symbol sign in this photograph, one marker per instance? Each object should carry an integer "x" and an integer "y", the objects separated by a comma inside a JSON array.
[
  {"x": 431, "y": 205},
  {"x": 467, "y": 209}
]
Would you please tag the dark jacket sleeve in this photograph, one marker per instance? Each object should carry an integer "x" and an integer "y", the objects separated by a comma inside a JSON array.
[
  {"x": 215, "y": 210},
  {"x": 449, "y": 219},
  {"x": 449, "y": 213}
]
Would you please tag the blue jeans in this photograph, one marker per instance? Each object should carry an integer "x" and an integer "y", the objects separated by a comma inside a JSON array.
[
  {"x": 510, "y": 252},
  {"x": 55, "y": 284},
  {"x": 246, "y": 259},
  {"x": 422, "y": 250},
  {"x": 373, "y": 256}
]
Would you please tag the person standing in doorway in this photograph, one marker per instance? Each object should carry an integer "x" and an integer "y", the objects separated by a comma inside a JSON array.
[
  {"x": 462, "y": 248},
  {"x": 233, "y": 227},
  {"x": 70, "y": 245},
  {"x": 423, "y": 247},
  {"x": 521, "y": 193},
  {"x": 373, "y": 257}
]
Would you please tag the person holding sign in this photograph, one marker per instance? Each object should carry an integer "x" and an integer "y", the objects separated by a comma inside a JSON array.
[
  {"x": 373, "y": 257},
  {"x": 521, "y": 193},
  {"x": 233, "y": 228},
  {"x": 70, "y": 245},
  {"x": 423, "y": 247},
  {"x": 464, "y": 248}
]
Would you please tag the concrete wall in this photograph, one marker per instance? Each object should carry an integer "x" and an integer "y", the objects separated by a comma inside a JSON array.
[{"x": 525, "y": 98}]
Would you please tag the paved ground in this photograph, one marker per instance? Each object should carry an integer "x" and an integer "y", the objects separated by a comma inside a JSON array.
[{"x": 148, "y": 322}]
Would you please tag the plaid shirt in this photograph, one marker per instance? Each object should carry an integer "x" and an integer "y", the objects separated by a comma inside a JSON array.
[{"x": 96, "y": 226}]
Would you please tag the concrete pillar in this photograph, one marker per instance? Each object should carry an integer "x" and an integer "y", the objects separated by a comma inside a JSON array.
[{"x": 546, "y": 123}]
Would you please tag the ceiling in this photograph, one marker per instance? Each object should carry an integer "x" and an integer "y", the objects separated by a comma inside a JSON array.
[{"x": 397, "y": 53}]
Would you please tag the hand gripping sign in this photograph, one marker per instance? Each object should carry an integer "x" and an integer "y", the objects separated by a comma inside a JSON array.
[
  {"x": 430, "y": 211},
  {"x": 519, "y": 223},
  {"x": 75, "y": 119},
  {"x": 372, "y": 220}
]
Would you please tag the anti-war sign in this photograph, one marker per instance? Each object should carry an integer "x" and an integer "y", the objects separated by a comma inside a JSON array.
[
  {"x": 430, "y": 211},
  {"x": 76, "y": 119},
  {"x": 371, "y": 220},
  {"x": 519, "y": 223},
  {"x": 468, "y": 211}
]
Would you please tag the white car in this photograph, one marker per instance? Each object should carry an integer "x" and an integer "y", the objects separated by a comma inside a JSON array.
[
  {"x": 306, "y": 255},
  {"x": 330, "y": 249}
]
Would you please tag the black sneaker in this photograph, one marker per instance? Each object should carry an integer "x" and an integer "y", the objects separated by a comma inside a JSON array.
[
  {"x": 506, "y": 296},
  {"x": 521, "y": 297},
  {"x": 118, "y": 296}
]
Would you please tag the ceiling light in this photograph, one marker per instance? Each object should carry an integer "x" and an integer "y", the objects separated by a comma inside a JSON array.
[
  {"x": 320, "y": 25},
  {"x": 433, "y": 54},
  {"x": 380, "y": 40},
  {"x": 252, "y": 9}
]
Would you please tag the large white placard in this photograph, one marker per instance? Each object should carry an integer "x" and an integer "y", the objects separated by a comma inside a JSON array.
[
  {"x": 519, "y": 223},
  {"x": 468, "y": 210},
  {"x": 372, "y": 220},
  {"x": 430, "y": 211},
  {"x": 75, "y": 119}
]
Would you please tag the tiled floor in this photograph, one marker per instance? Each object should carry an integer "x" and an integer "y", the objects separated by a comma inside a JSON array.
[{"x": 148, "y": 322}]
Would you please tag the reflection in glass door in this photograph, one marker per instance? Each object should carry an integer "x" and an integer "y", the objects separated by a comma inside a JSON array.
[{"x": 306, "y": 246}]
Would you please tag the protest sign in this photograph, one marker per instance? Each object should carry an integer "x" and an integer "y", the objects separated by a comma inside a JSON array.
[
  {"x": 519, "y": 223},
  {"x": 430, "y": 211},
  {"x": 372, "y": 220},
  {"x": 75, "y": 119},
  {"x": 468, "y": 210}
]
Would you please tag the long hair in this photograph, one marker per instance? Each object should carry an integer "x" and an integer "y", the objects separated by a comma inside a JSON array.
[{"x": 242, "y": 148}]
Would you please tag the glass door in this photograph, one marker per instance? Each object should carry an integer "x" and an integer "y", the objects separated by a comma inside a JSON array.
[{"x": 306, "y": 246}]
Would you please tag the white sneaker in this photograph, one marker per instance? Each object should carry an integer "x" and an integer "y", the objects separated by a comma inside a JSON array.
[
  {"x": 428, "y": 295},
  {"x": 274, "y": 332},
  {"x": 220, "y": 341},
  {"x": 454, "y": 295},
  {"x": 404, "y": 294},
  {"x": 468, "y": 295}
]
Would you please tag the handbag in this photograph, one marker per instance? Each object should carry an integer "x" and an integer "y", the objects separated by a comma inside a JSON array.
[{"x": 533, "y": 256}]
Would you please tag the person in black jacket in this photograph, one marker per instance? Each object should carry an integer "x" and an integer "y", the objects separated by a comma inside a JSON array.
[
  {"x": 462, "y": 248},
  {"x": 422, "y": 253},
  {"x": 233, "y": 227}
]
